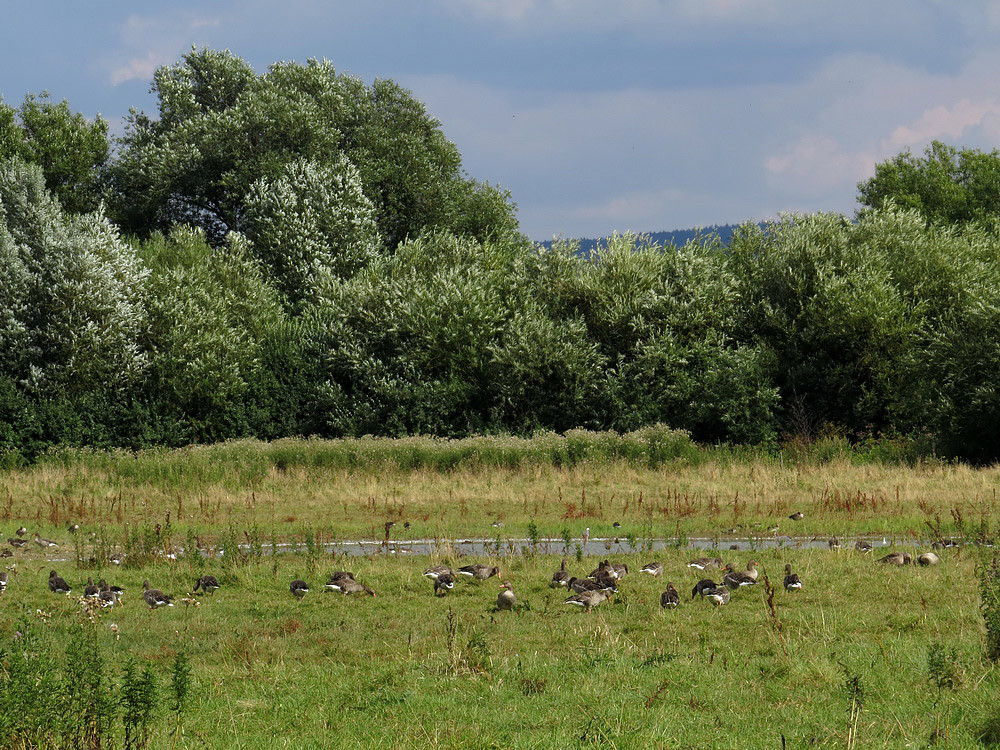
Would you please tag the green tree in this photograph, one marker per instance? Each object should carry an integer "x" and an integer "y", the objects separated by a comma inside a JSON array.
[
  {"x": 71, "y": 151},
  {"x": 222, "y": 128},
  {"x": 946, "y": 185}
]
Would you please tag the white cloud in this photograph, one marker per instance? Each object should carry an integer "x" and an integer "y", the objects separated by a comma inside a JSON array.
[
  {"x": 150, "y": 41},
  {"x": 140, "y": 67}
]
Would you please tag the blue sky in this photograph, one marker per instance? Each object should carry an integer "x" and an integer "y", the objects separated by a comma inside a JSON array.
[{"x": 598, "y": 116}]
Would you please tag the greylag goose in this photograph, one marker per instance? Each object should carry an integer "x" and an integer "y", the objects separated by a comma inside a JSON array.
[
  {"x": 734, "y": 579},
  {"x": 107, "y": 597},
  {"x": 3, "y": 581},
  {"x": 57, "y": 585},
  {"x": 506, "y": 599},
  {"x": 434, "y": 571},
  {"x": 928, "y": 558},
  {"x": 155, "y": 598},
  {"x": 718, "y": 596},
  {"x": 443, "y": 583},
  {"x": 18, "y": 543},
  {"x": 208, "y": 584},
  {"x": 896, "y": 558},
  {"x": 862, "y": 546},
  {"x": 797, "y": 515},
  {"x": 560, "y": 577},
  {"x": 833, "y": 543},
  {"x": 588, "y": 599},
  {"x": 21, "y": 531},
  {"x": 670, "y": 598},
  {"x": 350, "y": 586},
  {"x": 299, "y": 588},
  {"x": 580, "y": 585},
  {"x": 479, "y": 571},
  {"x": 44, "y": 543},
  {"x": 704, "y": 585},
  {"x": 91, "y": 590},
  {"x": 792, "y": 582},
  {"x": 653, "y": 568},
  {"x": 337, "y": 580}
]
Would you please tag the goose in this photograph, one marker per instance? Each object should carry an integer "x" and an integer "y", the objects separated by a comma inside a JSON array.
[
  {"x": 928, "y": 558},
  {"x": 506, "y": 599},
  {"x": 91, "y": 590},
  {"x": 155, "y": 598},
  {"x": 73, "y": 528},
  {"x": 21, "y": 531},
  {"x": 620, "y": 570},
  {"x": 6, "y": 552},
  {"x": 670, "y": 598},
  {"x": 862, "y": 546},
  {"x": 734, "y": 579},
  {"x": 833, "y": 543},
  {"x": 588, "y": 599},
  {"x": 792, "y": 582},
  {"x": 653, "y": 568},
  {"x": 704, "y": 563},
  {"x": 350, "y": 586},
  {"x": 18, "y": 543},
  {"x": 299, "y": 588},
  {"x": 479, "y": 571},
  {"x": 560, "y": 577},
  {"x": 437, "y": 570},
  {"x": 107, "y": 597},
  {"x": 338, "y": 579},
  {"x": 944, "y": 544},
  {"x": 208, "y": 584},
  {"x": 585, "y": 536},
  {"x": 44, "y": 543},
  {"x": 718, "y": 596},
  {"x": 703, "y": 586},
  {"x": 797, "y": 515},
  {"x": 580, "y": 585},
  {"x": 3, "y": 581},
  {"x": 896, "y": 558},
  {"x": 443, "y": 583},
  {"x": 118, "y": 591},
  {"x": 57, "y": 585}
]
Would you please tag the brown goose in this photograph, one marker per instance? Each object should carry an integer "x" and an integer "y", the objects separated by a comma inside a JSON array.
[
  {"x": 580, "y": 585},
  {"x": 705, "y": 563},
  {"x": 18, "y": 543},
  {"x": 44, "y": 543},
  {"x": 57, "y": 585},
  {"x": 3, "y": 581},
  {"x": 208, "y": 584},
  {"x": 91, "y": 590},
  {"x": 833, "y": 543},
  {"x": 928, "y": 558},
  {"x": 653, "y": 568},
  {"x": 437, "y": 570},
  {"x": 862, "y": 546},
  {"x": 670, "y": 598},
  {"x": 792, "y": 582},
  {"x": 479, "y": 571},
  {"x": 299, "y": 588},
  {"x": 443, "y": 584},
  {"x": 107, "y": 597},
  {"x": 560, "y": 577},
  {"x": 155, "y": 598},
  {"x": 896, "y": 558},
  {"x": 506, "y": 599},
  {"x": 350, "y": 586},
  {"x": 588, "y": 599},
  {"x": 797, "y": 515},
  {"x": 21, "y": 531},
  {"x": 718, "y": 596},
  {"x": 734, "y": 579},
  {"x": 338, "y": 579},
  {"x": 704, "y": 585}
]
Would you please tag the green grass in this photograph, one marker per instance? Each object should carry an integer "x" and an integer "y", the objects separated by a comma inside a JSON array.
[{"x": 389, "y": 671}]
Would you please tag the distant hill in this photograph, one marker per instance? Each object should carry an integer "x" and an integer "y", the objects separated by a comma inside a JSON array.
[{"x": 676, "y": 237}]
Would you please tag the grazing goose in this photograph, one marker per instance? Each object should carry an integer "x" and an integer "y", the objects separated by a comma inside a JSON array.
[
  {"x": 506, "y": 599},
  {"x": 91, "y": 590},
  {"x": 896, "y": 558},
  {"x": 944, "y": 544},
  {"x": 862, "y": 546},
  {"x": 118, "y": 591},
  {"x": 588, "y": 599},
  {"x": 73, "y": 528},
  {"x": 620, "y": 569},
  {"x": 443, "y": 583},
  {"x": 604, "y": 569},
  {"x": 928, "y": 558},
  {"x": 479, "y": 571},
  {"x": 44, "y": 543},
  {"x": 580, "y": 585},
  {"x": 107, "y": 597},
  {"x": 338, "y": 579},
  {"x": 3, "y": 581},
  {"x": 155, "y": 598},
  {"x": 704, "y": 563},
  {"x": 350, "y": 586},
  {"x": 208, "y": 584},
  {"x": 653, "y": 568},
  {"x": 734, "y": 579},
  {"x": 797, "y": 515},
  {"x": 57, "y": 585},
  {"x": 299, "y": 588},
  {"x": 670, "y": 598},
  {"x": 13, "y": 542},
  {"x": 21, "y": 531},
  {"x": 833, "y": 543},
  {"x": 703, "y": 586},
  {"x": 718, "y": 596},
  {"x": 437, "y": 570},
  {"x": 792, "y": 582},
  {"x": 560, "y": 577}
]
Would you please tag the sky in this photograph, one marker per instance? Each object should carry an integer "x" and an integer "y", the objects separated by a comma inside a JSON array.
[{"x": 597, "y": 116}]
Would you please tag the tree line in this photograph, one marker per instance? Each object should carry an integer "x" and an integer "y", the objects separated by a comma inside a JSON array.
[{"x": 298, "y": 253}]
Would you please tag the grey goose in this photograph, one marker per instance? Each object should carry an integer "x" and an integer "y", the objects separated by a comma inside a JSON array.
[
  {"x": 58, "y": 585},
  {"x": 669, "y": 599},
  {"x": 155, "y": 598},
  {"x": 506, "y": 599}
]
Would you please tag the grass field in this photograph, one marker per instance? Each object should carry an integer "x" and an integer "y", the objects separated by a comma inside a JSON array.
[{"x": 903, "y": 646}]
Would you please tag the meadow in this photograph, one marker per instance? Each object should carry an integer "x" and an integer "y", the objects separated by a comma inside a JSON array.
[{"x": 864, "y": 656}]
